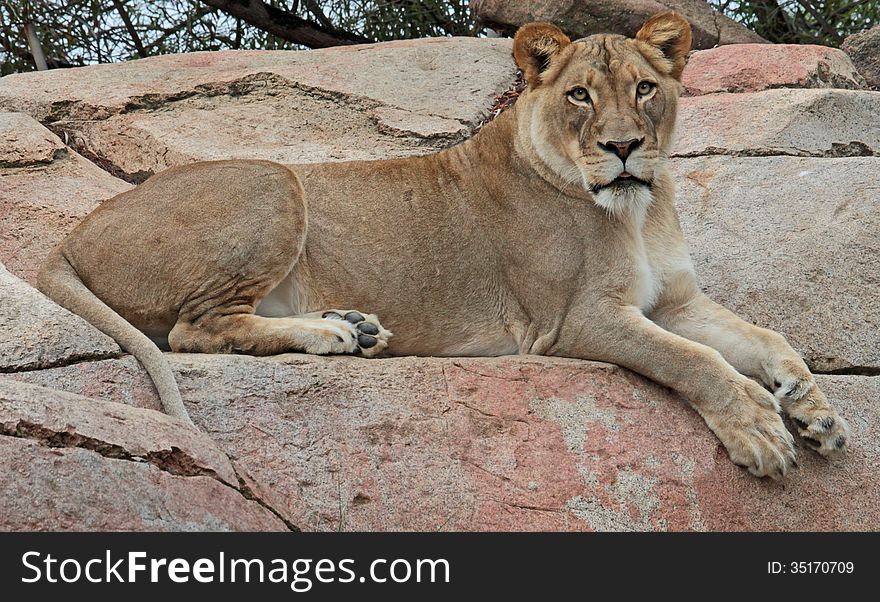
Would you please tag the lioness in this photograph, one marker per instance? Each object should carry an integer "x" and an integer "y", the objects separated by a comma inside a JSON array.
[{"x": 552, "y": 231}]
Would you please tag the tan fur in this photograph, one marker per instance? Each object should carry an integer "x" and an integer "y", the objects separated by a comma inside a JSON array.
[
  {"x": 671, "y": 35},
  {"x": 520, "y": 240},
  {"x": 534, "y": 45}
]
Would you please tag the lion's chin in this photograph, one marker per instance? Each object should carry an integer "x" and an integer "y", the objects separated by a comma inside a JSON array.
[{"x": 624, "y": 196}]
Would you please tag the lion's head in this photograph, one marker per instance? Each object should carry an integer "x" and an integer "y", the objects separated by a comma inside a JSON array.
[{"x": 601, "y": 110}]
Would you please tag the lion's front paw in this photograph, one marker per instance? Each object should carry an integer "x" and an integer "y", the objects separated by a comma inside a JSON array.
[
  {"x": 765, "y": 447},
  {"x": 371, "y": 337},
  {"x": 819, "y": 425},
  {"x": 821, "y": 428},
  {"x": 753, "y": 433},
  {"x": 791, "y": 381}
]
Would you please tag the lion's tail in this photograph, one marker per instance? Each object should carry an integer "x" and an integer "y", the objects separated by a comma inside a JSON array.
[{"x": 60, "y": 282}]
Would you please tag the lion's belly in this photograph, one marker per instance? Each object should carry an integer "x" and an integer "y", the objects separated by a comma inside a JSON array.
[
  {"x": 483, "y": 343},
  {"x": 420, "y": 326}
]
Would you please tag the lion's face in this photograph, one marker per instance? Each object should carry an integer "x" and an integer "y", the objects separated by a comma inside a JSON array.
[{"x": 601, "y": 110}]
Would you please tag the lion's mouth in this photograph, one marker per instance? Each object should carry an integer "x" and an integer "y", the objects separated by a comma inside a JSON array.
[{"x": 624, "y": 180}]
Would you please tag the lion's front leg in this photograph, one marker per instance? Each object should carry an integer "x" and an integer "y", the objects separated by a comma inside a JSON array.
[
  {"x": 766, "y": 356},
  {"x": 739, "y": 411}
]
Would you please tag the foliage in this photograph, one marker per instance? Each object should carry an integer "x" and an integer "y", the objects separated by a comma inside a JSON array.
[
  {"x": 81, "y": 32},
  {"x": 825, "y": 22}
]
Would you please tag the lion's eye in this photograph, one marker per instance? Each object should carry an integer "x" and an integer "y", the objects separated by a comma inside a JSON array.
[
  {"x": 579, "y": 95},
  {"x": 645, "y": 88}
]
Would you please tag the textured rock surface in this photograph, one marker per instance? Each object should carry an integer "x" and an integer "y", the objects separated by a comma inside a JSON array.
[
  {"x": 864, "y": 50},
  {"x": 23, "y": 143},
  {"x": 45, "y": 190},
  {"x": 488, "y": 444},
  {"x": 579, "y": 18},
  {"x": 792, "y": 244},
  {"x": 385, "y": 100},
  {"x": 71, "y": 463},
  {"x": 37, "y": 333},
  {"x": 822, "y": 123},
  {"x": 755, "y": 67}
]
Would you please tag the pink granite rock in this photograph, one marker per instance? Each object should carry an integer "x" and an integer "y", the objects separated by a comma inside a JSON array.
[
  {"x": 523, "y": 443},
  {"x": 809, "y": 123},
  {"x": 580, "y": 18},
  {"x": 359, "y": 102},
  {"x": 45, "y": 189},
  {"x": 68, "y": 463},
  {"x": 755, "y": 67},
  {"x": 37, "y": 333}
]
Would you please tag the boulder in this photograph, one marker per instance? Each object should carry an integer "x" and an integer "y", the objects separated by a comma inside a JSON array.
[
  {"x": 791, "y": 243},
  {"x": 362, "y": 102},
  {"x": 45, "y": 189},
  {"x": 36, "y": 333},
  {"x": 864, "y": 50},
  {"x": 75, "y": 464},
  {"x": 515, "y": 443},
  {"x": 779, "y": 210},
  {"x": 580, "y": 18},
  {"x": 756, "y": 67},
  {"x": 24, "y": 143},
  {"x": 812, "y": 123}
]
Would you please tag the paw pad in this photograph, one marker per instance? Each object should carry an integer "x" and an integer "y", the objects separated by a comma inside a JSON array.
[
  {"x": 367, "y": 328},
  {"x": 366, "y": 341},
  {"x": 370, "y": 336}
]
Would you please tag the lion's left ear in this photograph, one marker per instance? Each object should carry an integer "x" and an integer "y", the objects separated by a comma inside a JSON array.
[
  {"x": 671, "y": 34},
  {"x": 534, "y": 46}
]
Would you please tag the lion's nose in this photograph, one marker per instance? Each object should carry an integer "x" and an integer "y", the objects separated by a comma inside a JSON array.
[{"x": 621, "y": 149}]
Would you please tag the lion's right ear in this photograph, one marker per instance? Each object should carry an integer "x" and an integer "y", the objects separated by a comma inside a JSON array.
[{"x": 534, "y": 46}]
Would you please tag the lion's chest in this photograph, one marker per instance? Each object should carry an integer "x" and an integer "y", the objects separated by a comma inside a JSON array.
[{"x": 644, "y": 287}]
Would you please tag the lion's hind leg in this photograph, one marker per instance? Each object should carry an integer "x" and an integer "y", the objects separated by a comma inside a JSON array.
[
  {"x": 372, "y": 338},
  {"x": 257, "y": 335}
]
